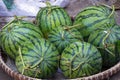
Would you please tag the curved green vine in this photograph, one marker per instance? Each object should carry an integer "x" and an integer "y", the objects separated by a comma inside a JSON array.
[
  {"x": 105, "y": 45},
  {"x": 113, "y": 10},
  {"x": 20, "y": 54}
]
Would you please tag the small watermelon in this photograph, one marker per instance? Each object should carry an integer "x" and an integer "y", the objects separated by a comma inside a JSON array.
[
  {"x": 93, "y": 17},
  {"x": 38, "y": 59},
  {"x": 51, "y": 17},
  {"x": 105, "y": 40},
  {"x": 62, "y": 37},
  {"x": 80, "y": 59},
  {"x": 15, "y": 33}
]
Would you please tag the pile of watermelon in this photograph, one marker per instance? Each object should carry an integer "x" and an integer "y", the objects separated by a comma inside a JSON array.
[{"x": 80, "y": 48}]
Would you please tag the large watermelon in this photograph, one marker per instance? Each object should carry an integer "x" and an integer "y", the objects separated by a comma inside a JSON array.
[
  {"x": 15, "y": 33},
  {"x": 93, "y": 17},
  {"x": 80, "y": 59},
  {"x": 38, "y": 58},
  {"x": 50, "y": 17},
  {"x": 106, "y": 39},
  {"x": 118, "y": 50},
  {"x": 61, "y": 37}
]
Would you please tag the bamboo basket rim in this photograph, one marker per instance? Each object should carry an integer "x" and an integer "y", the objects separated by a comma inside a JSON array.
[{"x": 99, "y": 76}]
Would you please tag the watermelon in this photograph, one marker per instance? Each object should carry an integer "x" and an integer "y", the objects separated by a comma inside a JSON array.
[
  {"x": 118, "y": 51},
  {"x": 105, "y": 40},
  {"x": 61, "y": 37},
  {"x": 15, "y": 33},
  {"x": 38, "y": 58},
  {"x": 93, "y": 17},
  {"x": 80, "y": 59},
  {"x": 51, "y": 17}
]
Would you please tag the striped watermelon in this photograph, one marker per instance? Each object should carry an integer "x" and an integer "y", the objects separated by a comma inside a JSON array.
[
  {"x": 61, "y": 37},
  {"x": 38, "y": 58},
  {"x": 80, "y": 59},
  {"x": 105, "y": 39},
  {"x": 15, "y": 33},
  {"x": 50, "y": 17},
  {"x": 118, "y": 50},
  {"x": 92, "y": 17}
]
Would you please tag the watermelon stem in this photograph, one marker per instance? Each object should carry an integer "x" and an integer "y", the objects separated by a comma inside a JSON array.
[
  {"x": 20, "y": 54},
  {"x": 70, "y": 27},
  {"x": 103, "y": 41},
  {"x": 113, "y": 10},
  {"x": 15, "y": 17},
  {"x": 76, "y": 36},
  {"x": 36, "y": 64},
  {"x": 49, "y": 7},
  {"x": 48, "y": 4},
  {"x": 49, "y": 11},
  {"x": 109, "y": 52},
  {"x": 8, "y": 23},
  {"x": 78, "y": 66},
  {"x": 19, "y": 18},
  {"x": 105, "y": 5},
  {"x": 37, "y": 72},
  {"x": 105, "y": 46},
  {"x": 71, "y": 65}
]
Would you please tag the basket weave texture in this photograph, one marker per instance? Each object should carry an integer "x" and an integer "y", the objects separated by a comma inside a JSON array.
[{"x": 100, "y": 76}]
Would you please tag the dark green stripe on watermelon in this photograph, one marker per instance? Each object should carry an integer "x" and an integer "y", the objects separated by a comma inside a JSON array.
[
  {"x": 32, "y": 53},
  {"x": 105, "y": 40},
  {"x": 61, "y": 38},
  {"x": 15, "y": 34},
  {"x": 80, "y": 59},
  {"x": 92, "y": 18},
  {"x": 49, "y": 18}
]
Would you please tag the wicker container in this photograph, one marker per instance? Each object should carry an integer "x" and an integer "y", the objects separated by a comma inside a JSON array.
[
  {"x": 100, "y": 76},
  {"x": 17, "y": 76},
  {"x": 106, "y": 74}
]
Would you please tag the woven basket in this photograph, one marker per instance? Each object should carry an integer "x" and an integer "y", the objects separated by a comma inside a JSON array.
[
  {"x": 100, "y": 76},
  {"x": 17, "y": 76}
]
